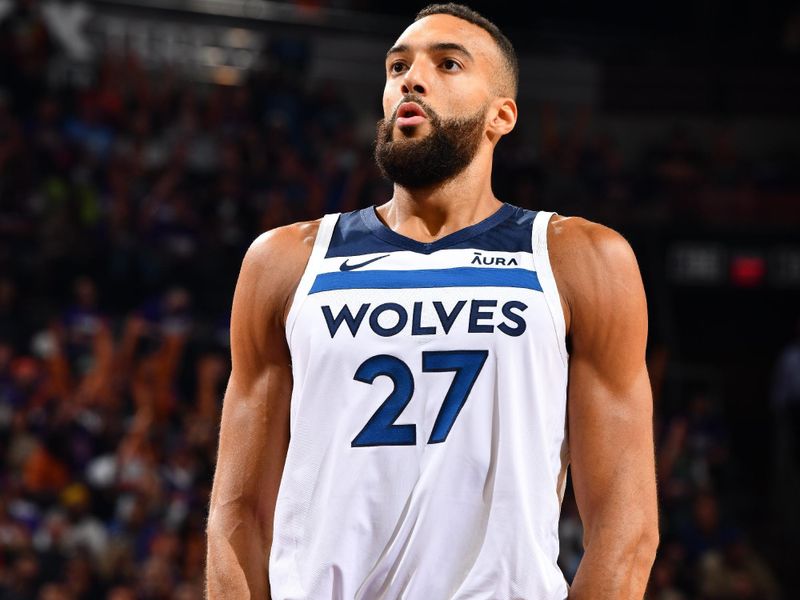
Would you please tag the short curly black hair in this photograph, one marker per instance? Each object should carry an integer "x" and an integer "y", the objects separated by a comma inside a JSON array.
[{"x": 511, "y": 67}]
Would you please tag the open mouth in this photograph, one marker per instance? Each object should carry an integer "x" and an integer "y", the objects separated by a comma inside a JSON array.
[{"x": 410, "y": 113}]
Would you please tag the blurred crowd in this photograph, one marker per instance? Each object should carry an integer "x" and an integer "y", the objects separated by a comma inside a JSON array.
[{"x": 126, "y": 206}]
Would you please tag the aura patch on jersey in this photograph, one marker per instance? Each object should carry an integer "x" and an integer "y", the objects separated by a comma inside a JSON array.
[{"x": 391, "y": 318}]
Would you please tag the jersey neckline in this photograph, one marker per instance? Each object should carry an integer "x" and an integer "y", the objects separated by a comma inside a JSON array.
[{"x": 370, "y": 217}]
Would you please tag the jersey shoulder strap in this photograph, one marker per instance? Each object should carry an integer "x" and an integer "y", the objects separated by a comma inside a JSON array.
[
  {"x": 544, "y": 271},
  {"x": 324, "y": 233}
]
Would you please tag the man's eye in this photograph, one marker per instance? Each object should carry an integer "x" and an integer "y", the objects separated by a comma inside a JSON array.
[
  {"x": 393, "y": 65},
  {"x": 449, "y": 64}
]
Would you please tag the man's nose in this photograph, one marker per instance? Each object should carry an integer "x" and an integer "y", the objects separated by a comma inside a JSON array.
[{"x": 413, "y": 81}]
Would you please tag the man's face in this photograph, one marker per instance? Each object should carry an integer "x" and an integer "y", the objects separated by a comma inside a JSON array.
[
  {"x": 437, "y": 156},
  {"x": 435, "y": 102}
]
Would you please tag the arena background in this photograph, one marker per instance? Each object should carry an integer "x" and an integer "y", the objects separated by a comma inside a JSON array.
[{"x": 144, "y": 144}]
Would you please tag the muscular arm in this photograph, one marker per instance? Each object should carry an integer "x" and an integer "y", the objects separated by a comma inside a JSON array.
[
  {"x": 609, "y": 408},
  {"x": 254, "y": 428}
]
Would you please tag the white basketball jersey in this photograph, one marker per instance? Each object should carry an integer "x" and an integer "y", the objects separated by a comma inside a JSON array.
[{"x": 428, "y": 454}]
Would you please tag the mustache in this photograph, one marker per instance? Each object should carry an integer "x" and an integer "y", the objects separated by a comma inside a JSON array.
[{"x": 432, "y": 115}]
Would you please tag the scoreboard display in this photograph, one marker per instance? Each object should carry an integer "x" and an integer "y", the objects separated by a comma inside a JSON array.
[{"x": 731, "y": 264}]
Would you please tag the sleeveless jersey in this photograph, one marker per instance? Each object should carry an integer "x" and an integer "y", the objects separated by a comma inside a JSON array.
[{"x": 428, "y": 452}]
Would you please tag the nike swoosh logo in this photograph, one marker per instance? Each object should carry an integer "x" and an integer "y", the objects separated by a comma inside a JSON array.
[{"x": 347, "y": 267}]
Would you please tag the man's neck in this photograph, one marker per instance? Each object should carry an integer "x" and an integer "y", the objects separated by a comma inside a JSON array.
[{"x": 427, "y": 214}]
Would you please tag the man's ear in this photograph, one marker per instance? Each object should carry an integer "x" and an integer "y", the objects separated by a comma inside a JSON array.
[{"x": 504, "y": 111}]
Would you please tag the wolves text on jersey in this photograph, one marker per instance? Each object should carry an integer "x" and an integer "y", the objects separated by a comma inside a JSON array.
[{"x": 479, "y": 318}]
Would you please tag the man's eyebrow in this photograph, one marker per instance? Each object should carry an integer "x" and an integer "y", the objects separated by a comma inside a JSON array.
[{"x": 437, "y": 47}]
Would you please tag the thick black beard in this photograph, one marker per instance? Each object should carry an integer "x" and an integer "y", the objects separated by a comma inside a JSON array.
[{"x": 442, "y": 154}]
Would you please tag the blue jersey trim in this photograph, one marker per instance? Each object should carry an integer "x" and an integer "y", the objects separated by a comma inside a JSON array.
[
  {"x": 351, "y": 237},
  {"x": 377, "y": 226},
  {"x": 426, "y": 278},
  {"x": 362, "y": 232}
]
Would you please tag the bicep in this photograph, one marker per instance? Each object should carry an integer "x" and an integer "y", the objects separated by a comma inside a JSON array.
[{"x": 609, "y": 394}]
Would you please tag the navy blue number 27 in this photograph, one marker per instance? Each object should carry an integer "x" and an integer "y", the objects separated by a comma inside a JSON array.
[{"x": 381, "y": 430}]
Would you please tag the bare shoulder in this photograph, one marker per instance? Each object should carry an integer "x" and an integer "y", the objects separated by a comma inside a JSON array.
[
  {"x": 274, "y": 263},
  {"x": 295, "y": 238},
  {"x": 572, "y": 238},
  {"x": 588, "y": 260}
]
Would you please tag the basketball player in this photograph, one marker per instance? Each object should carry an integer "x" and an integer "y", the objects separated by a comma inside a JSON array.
[{"x": 410, "y": 381}]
